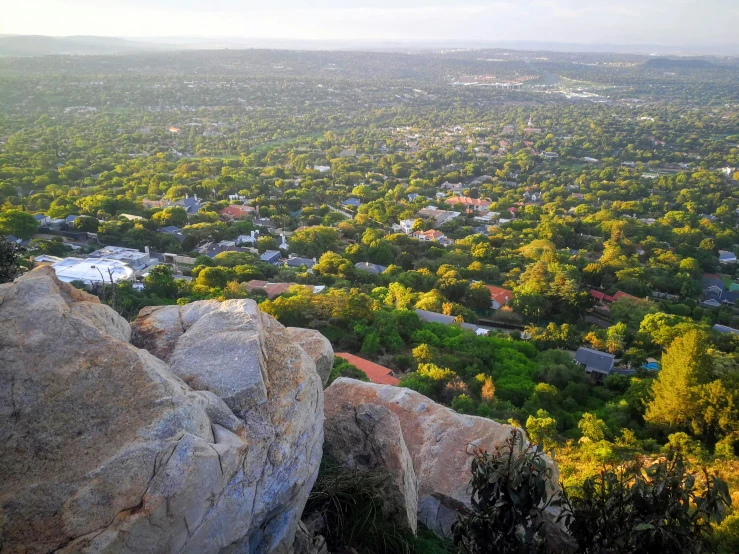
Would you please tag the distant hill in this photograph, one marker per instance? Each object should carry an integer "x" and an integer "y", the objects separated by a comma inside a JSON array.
[
  {"x": 677, "y": 63},
  {"x": 38, "y": 45}
]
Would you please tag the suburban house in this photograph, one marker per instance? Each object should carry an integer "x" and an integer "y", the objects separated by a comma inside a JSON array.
[
  {"x": 211, "y": 249},
  {"x": 726, "y": 257},
  {"x": 351, "y": 203},
  {"x": 439, "y": 216},
  {"x": 174, "y": 231},
  {"x": 596, "y": 363},
  {"x": 191, "y": 205},
  {"x": 452, "y": 186},
  {"x": 251, "y": 238},
  {"x": 375, "y": 372},
  {"x": 406, "y": 225},
  {"x": 271, "y": 256},
  {"x": 370, "y": 268},
  {"x": 724, "y": 329},
  {"x": 297, "y": 262},
  {"x": 605, "y": 299},
  {"x": 42, "y": 220},
  {"x": 275, "y": 289},
  {"x": 93, "y": 271},
  {"x": 715, "y": 293},
  {"x": 237, "y": 211},
  {"x": 500, "y": 297},
  {"x": 470, "y": 204},
  {"x": 434, "y": 317},
  {"x": 429, "y": 236},
  {"x": 130, "y": 256}
]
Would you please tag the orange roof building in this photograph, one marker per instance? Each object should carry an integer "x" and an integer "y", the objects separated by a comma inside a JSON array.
[
  {"x": 376, "y": 373},
  {"x": 471, "y": 204},
  {"x": 500, "y": 297},
  {"x": 237, "y": 211}
]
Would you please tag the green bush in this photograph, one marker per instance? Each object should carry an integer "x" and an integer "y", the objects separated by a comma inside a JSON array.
[
  {"x": 510, "y": 495},
  {"x": 641, "y": 508}
]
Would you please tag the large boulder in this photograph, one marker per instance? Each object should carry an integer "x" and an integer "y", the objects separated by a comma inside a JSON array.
[
  {"x": 369, "y": 436},
  {"x": 441, "y": 443},
  {"x": 317, "y": 347},
  {"x": 104, "y": 448}
]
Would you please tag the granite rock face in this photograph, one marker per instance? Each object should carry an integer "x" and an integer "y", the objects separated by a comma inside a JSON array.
[
  {"x": 318, "y": 348},
  {"x": 440, "y": 442},
  {"x": 369, "y": 436},
  {"x": 212, "y": 445}
]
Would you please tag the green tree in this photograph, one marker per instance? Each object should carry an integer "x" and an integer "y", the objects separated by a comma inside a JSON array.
[
  {"x": 542, "y": 429},
  {"x": 160, "y": 282},
  {"x": 684, "y": 365},
  {"x": 592, "y": 428},
  {"x": 18, "y": 223},
  {"x": 86, "y": 223},
  {"x": 10, "y": 260}
]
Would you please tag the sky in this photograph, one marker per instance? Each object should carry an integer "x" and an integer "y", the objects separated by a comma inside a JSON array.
[{"x": 664, "y": 22}]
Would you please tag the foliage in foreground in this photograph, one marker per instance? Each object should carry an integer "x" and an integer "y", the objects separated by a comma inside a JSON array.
[
  {"x": 509, "y": 499},
  {"x": 10, "y": 260},
  {"x": 638, "y": 507},
  {"x": 355, "y": 508},
  {"x": 641, "y": 508}
]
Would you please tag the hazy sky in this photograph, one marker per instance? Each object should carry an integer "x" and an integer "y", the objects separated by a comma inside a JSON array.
[{"x": 671, "y": 22}]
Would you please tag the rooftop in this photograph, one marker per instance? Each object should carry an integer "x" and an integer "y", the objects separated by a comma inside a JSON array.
[
  {"x": 376, "y": 373},
  {"x": 92, "y": 270},
  {"x": 595, "y": 360}
]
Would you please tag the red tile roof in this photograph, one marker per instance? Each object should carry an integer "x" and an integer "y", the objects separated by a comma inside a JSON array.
[
  {"x": 236, "y": 211},
  {"x": 467, "y": 201},
  {"x": 620, "y": 294},
  {"x": 602, "y": 296},
  {"x": 376, "y": 373},
  {"x": 500, "y": 295}
]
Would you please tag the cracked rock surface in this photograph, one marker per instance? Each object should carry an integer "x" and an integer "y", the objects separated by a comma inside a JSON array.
[{"x": 206, "y": 439}]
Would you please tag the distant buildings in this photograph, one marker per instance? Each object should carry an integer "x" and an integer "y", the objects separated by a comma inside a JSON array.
[
  {"x": 726, "y": 257},
  {"x": 93, "y": 271},
  {"x": 596, "y": 363},
  {"x": 375, "y": 372},
  {"x": 431, "y": 235},
  {"x": 351, "y": 203},
  {"x": 237, "y": 211},
  {"x": 130, "y": 256},
  {"x": 296, "y": 262},
  {"x": 370, "y": 268},
  {"x": 470, "y": 204},
  {"x": 271, "y": 256},
  {"x": 439, "y": 216},
  {"x": 499, "y": 296},
  {"x": 434, "y": 317},
  {"x": 272, "y": 290}
]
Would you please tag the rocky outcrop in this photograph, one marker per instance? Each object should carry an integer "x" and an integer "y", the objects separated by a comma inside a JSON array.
[
  {"x": 212, "y": 445},
  {"x": 369, "y": 436},
  {"x": 440, "y": 442},
  {"x": 318, "y": 348}
]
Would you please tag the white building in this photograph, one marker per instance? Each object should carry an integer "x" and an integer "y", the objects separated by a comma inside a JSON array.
[
  {"x": 130, "y": 256},
  {"x": 92, "y": 271}
]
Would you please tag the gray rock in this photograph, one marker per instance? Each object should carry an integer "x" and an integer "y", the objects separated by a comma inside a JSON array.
[
  {"x": 441, "y": 444},
  {"x": 105, "y": 449},
  {"x": 369, "y": 436},
  {"x": 318, "y": 348}
]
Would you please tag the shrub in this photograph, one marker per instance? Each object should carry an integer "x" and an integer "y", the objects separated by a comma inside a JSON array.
[
  {"x": 640, "y": 509},
  {"x": 510, "y": 494}
]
